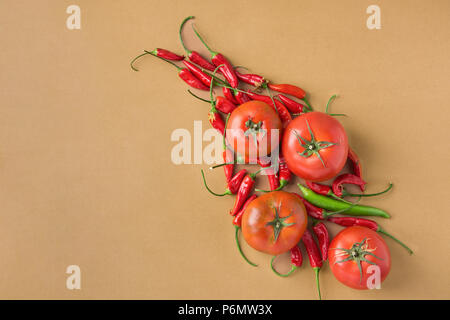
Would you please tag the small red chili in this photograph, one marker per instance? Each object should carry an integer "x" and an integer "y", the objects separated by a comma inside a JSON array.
[
  {"x": 161, "y": 53},
  {"x": 293, "y": 106},
  {"x": 183, "y": 73},
  {"x": 321, "y": 232},
  {"x": 194, "y": 56},
  {"x": 218, "y": 59},
  {"x": 314, "y": 256},
  {"x": 350, "y": 221},
  {"x": 241, "y": 97},
  {"x": 356, "y": 163},
  {"x": 228, "y": 93},
  {"x": 271, "y": 175},
  {"x": 243, "y": 192},
  {"x": 221, "y": 103},
  {"x": 288, "y": 89},
  {"x": 196, "y": 71},
  {"x": 346, "y": 178},
  {"x": 296, "y": 262},
  {"x": 253, "y": 79}
]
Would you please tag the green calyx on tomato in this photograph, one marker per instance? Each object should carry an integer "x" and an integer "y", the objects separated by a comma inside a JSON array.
[
  {"x": 312, "y": 146},
  {"x": 357, "y": 253},
  {"x": 278, "y": 223},
  {"x": 254, "y": 129}
]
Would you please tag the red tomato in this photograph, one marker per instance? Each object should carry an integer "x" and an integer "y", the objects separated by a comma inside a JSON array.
[
  {"x": 274, "y": 222},
  {"x": 363, "y": 243},
  {"x": 317, "y": 159},
  {"x": 251, "y": 135}
]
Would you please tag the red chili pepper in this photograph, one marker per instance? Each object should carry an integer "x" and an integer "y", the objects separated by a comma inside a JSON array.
[
  {"x": 183, "y": 73},
  {"x": 237, "y": 221},
  {"x": 271, "y": 175},
  {"x": 288, "y": 89},
  {"x": 241, "y": 97},
  {"x": 229, "y": 95},
  {"x": 319, "y": 188},
  {"x": 356, "y": 164},
  {"x": 160, "y": 53},
  {"x": 350, "y": 221},
  {"x": 293, "y": 106},
  {"x": 227, "y": 156},
  {"x": 243, "y": 193},
  {"x": 218, "y": 59},
  {"x": 233, "y": 186},
  {"x": 284, "y": 173},
  {"x": 314, "y": 256},
  {"x": 321, "y": 231},
  {"x": 316, "y": 212},
  {"x": 346, "y": 178},
  {"x": 194, "y": 56},
  {"x": 253, "y": 79},
  {"x": 221, "y": 103},
  {"x": 283, "y": 113},
  {"x": 216, "y": 120},
  {"x": 296, "y": 261},
  {"x": 196, "y": 71}
]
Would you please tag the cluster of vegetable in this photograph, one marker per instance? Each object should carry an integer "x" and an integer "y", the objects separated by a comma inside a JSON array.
[{"x": 314, "y": 147}]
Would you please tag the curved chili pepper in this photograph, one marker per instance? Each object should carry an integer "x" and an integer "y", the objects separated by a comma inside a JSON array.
[
  {"x": 296, "y": 262},
  {"x": 228, "y": 93},
  {"x": 314, "y": 256},
  {"x": 213, "y": 116},
  {"x": 319, "y": 188},
  {"x": 337, "y": 205},
  {"x": 271, "y": 175},
  {"x": 282, "y": 111},
  {"x": 356, "y": 164},
  {"x": 293, "y": 106},
  {"x": 218, "y": 59},
  {"x": 328, "y": 191},
  {"x": 233, "y": 184},
  {"x": 283, "y": 173},
  {"x": 253, "y": 79},
  {"x": 350, "y": 221},
  {"x": 183, "y": 73},
  {"x": 160, "y": 53},
  {"x": 227, "y": 156},
  {"x": 288, "y": 89},
  {"x": 196, "y": 71},
  {"x": 194, "y": 56},
  {"x": 221, "y": 103},
  {"x": 237, "y": 221},
  {"x": 321, "y": 232},
  {"x": 243, "y": 192},
  {"x": 346, "y": 178}
]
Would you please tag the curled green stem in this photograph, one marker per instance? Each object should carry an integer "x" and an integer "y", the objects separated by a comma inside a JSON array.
[
  {"x": 236, "y": 237},
  {"x": 227, "y": 192},
  {"x": 345, "y": 193},
  {"x": 380, "y": 230},
  {"x": 293, "y": 268}
]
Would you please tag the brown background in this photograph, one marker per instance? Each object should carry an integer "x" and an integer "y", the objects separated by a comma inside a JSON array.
[{"x": 85, "y": 170}]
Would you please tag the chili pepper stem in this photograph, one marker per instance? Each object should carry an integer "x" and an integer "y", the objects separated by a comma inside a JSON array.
[
  {"x": 316, "y": 273},
  {"x": 203, "y": 41},
  {"x": 212, "y": 192},
  {"x": 221, "y": 165},
  {"x": 382, "y": 231},
  {"x": 132, "y": 61},
  {"x": 345, "y": 193},
  {"x": 188, "y": 52},
  {"x": 151, "y": 53},
  {"x": 236, "y": 237},
  {"x": 293, "y": 268},
  {"x": 199, "y": 98}
]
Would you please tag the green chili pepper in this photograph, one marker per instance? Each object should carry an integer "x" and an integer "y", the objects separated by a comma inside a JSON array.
[{"x": 335, "y": 205}]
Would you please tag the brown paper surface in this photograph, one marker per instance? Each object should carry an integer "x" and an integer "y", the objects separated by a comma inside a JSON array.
[{"x": 86, "y": 176}]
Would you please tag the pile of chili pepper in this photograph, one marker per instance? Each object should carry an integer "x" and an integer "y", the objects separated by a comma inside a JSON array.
[{"x": 322, "y": 202}]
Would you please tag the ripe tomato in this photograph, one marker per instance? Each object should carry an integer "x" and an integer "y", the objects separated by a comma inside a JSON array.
[
  {"x": 251, "y": 135},
  {"x": 359, "y": 243},
  {"x": 315, "y": 146},
  {"x": 274, "y": 222}
]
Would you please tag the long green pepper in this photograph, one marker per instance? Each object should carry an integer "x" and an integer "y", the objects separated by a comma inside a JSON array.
[{"x": 335, "y": 205}]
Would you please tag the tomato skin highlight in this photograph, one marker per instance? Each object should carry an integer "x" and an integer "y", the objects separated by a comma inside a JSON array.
[
  {"x": 348, "y": 272},
  {"x": 260, "y": 211},
  {"x": 258, "y": 112},
  {"x": 325, "y": 128}
]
